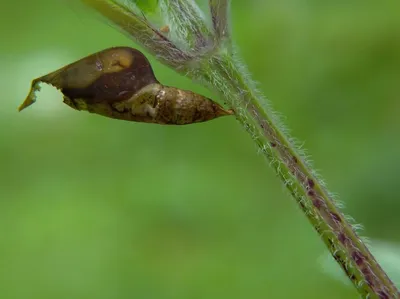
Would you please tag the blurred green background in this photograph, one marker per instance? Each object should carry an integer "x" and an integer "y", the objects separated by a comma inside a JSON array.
[{"x": 97, "y": 208}]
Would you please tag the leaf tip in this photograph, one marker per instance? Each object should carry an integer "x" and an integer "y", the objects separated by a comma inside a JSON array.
[{"x": 31, "y": 98}]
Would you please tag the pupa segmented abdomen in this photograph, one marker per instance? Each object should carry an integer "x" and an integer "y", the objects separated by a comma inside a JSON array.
[{"x": 160, "y": 104}]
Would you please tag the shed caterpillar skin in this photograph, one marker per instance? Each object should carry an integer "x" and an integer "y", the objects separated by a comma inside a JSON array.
[{"x": 119, "y": 83}]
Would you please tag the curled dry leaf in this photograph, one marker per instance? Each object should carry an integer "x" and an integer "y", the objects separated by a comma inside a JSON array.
[{"x": 120, "y": 83}]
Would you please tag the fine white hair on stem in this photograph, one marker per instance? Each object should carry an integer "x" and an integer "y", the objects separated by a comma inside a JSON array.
[
  {"x": 187, "y": 23},
  {"x": 140, "y": 29},
  {"x": 220, "y": 18}
]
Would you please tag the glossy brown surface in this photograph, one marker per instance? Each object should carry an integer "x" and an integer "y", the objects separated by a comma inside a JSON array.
[{"x": 111, "y": 75}]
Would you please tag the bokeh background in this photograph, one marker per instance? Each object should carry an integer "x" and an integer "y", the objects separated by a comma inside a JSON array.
[{"x": 97, "y": 208}]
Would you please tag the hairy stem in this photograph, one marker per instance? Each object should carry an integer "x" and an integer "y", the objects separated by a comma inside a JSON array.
[
  {"x": 229, "y": 78},
  {"x": 187, "y": 23},
  {"x": 141, "y": 30},
  {"x": 220, "y": 16}
]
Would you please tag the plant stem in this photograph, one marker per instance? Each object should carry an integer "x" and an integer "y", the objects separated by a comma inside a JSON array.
[
  {"x": 231, "y": 81},
  {"x": 220, "y": 14},
  {"x": 141, "y": 30},
  {"x": 188, "y": 22}
]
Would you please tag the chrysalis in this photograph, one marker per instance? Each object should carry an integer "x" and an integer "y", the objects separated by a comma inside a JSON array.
[{"x": 120, "y": 83}]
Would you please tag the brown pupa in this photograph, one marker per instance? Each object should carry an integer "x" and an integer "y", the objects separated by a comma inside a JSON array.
[{"x": 120, "y": 83}]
